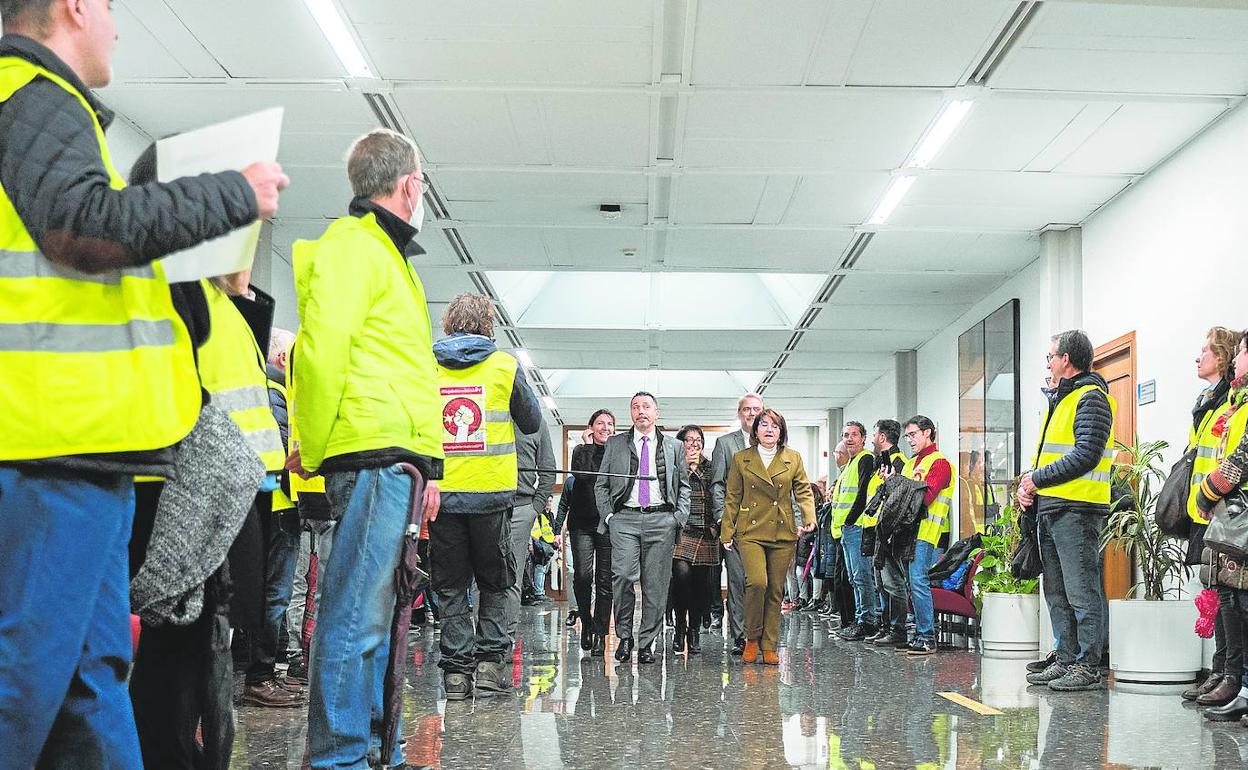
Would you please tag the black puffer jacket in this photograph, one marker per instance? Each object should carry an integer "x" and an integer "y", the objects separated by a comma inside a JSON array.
[
  {"x": 1094, "y": 422},
  {"x": 52, "y": 171}
]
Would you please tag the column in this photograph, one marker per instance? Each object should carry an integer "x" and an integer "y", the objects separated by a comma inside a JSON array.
[
  {"x": 906, "y": 363},
  {"x": 1061, "y": 253}
]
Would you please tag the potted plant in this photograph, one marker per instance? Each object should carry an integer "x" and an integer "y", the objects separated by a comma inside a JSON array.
[
  {"x": 1151, "y": 640},
  {"x": 1009, "y": 607}
]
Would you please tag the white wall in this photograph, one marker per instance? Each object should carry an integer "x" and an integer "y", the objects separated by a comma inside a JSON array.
[
  {"x": 1165, "y": 260},
  {"x": 878, "y": 402}
]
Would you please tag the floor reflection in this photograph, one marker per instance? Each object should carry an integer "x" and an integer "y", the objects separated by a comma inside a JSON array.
[{"x": 829, "y": 704}]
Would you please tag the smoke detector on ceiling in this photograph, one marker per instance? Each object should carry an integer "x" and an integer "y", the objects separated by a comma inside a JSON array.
[
  {"x": 610, "y": 210},
  {"x": 629, "y": 252}
]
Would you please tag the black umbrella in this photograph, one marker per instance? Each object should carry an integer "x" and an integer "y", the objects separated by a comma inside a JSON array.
[{"x": 409, "y": 579}]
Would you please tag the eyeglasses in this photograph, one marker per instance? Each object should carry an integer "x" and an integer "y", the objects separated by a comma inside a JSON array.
[
  {"x": 1050, "y": 356},
  {"x": 912, "y": 434},
  {"x": 694, "y": 441}
]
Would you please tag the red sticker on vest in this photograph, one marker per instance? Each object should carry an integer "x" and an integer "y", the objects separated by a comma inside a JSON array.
[{"x": 463, "y": 418}]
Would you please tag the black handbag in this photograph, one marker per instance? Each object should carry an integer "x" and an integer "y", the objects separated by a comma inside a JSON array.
[
  {"x": 1228, "y": 526},
  {"x": 1171, "y": 510},
  {"x": 1025, "y": 562}
]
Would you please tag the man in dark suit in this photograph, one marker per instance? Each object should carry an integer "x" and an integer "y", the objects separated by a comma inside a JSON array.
[
  {"x": 748, "y": 409},
  {"x": 642, "y": 518}
]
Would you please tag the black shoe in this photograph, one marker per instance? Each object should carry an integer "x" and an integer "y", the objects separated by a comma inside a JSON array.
[
  {"x": 600, "y": 646},
  {"x": 1036, "y": 666},
  {"x": 678, "y": 641},
  {"x": 893, "y": 638},
  {"x": 1195, "y": 691},
  {"x": 646, "y": 654},
  {"x": 694, "y": 642},
  {"x": 573, "y": 615},
  {"x": 706, "y": 621},
  {"x": 738, "y": 646},
  {"x": 921, "y": 647},
  {"x": 492, "y": 679},
  {"x": 624, "y": 651},
  {"x": 587, "y": 638},
  {"x": 858, "y": 632},
  {"x": 457, "y": 686},
  {"x": 880, "y": 634},
  {"x": 1079, "y": 676},
  {"x": 1231, "y": 712}
]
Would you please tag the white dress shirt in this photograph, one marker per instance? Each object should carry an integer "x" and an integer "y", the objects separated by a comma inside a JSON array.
[{"x": 656, "y": 494}]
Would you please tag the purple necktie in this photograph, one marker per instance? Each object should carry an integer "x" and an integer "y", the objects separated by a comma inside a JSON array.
[{"x": 643, "y": 494}]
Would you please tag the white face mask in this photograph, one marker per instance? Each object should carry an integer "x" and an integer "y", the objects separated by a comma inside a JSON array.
[{"x": 418, "y": 215}]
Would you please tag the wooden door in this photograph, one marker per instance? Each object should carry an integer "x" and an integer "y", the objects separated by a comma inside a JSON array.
[{"x": 1115, "y": 361}]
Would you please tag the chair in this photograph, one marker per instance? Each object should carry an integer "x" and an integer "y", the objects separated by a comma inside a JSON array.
[{"x": 961, "y": 604}]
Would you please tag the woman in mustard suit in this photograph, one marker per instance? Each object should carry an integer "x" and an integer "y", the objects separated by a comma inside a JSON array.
[{"x": 764, "y": 482}]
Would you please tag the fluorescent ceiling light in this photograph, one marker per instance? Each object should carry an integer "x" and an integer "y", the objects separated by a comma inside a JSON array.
[
  {"x": 339, "y": 36},
  {"x": 941, "y": 132},
  {"x": 896, "y": 191},
  {"x": 549, "y": 402},
  {"x": 524, "y": 358}
]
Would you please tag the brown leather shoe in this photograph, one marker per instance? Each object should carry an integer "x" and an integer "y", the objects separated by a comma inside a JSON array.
[
  {"x": 270, "y": 695},
  {"x": 1203, "y": 686},
  {"x": 1221, "y": 695},
  {"x": 290, "y": 685},
  {"x": 771, "y": 658},
  {"x": 751, "y": 652}
]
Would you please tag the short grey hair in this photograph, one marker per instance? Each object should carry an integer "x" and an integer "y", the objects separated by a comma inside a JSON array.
[
  {"x": 1075, "y": 343},
  {"x": 377, "y": 160},
  {"x": 280, "y": 341},
  {"x": 751, "y": 394}
]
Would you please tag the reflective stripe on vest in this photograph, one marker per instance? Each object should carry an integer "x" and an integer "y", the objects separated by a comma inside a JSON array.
[
  {"x": 1207, "y": 447},
  {"x": 232, "y": 368},
  {"x": 845, "y": 492},
  {"x": 936, "y": 520},
  {"x": 298, "y": 484},
  {"x": 478, "y": 437},
  {"x": 90, "y": 363},
  {"x": 1058, "y": 440}
]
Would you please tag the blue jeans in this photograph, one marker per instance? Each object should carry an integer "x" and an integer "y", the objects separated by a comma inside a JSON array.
[
  {"x": 862, "y": 575},
  {"x": 351, "y": 645},
  {"x": 925, "y": 555},
  {"x": 278, "y": 586},
  {"x": 65, "y": 646},
  {"x": 1073, "y": 587}
]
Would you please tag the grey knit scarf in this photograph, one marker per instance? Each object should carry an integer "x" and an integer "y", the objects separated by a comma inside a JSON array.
[{"x": 200, "y": 512}]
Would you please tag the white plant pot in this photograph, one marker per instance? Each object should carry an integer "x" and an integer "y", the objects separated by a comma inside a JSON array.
[
  {"x": 1153, "y": 642},
  {"x": 1010, "y": 623}
]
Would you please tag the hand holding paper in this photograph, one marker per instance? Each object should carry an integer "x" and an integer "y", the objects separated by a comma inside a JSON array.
[{"x": 266, "y": 180}]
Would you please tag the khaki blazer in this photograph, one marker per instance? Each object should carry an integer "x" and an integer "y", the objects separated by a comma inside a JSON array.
[{"x": 760, "y": 502}]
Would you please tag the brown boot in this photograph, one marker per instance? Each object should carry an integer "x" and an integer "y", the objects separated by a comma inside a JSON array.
[
  {"x": 751, "y": 652},
  {"x": 290, "y": 685},
  {"x": 270, "y": 695},
  {"x": 771, "y": 658},
  {"x": 1221, "y": 695}
]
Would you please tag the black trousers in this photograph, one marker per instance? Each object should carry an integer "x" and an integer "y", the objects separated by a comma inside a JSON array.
[
  {"x": 1229, "y": 632},
  {"x": 184, "y": 675},
  {"x": 714, "y": 595},
  {"x": 591, "y": 578},
  {"x": 689, "y": 594}
]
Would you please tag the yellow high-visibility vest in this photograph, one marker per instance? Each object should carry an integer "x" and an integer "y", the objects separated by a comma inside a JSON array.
[
  {"x": 845, "y": 492},
  {"x": 232, "y": 369},
  {"x": 89, "y": 363},
  {"x": 1057, "y": 439},
  {"x": 1236, "y": 426},
  {"x": 936, "y": 520},
  {"x": 298, "y": 484},
  {"x": 478, "y": 437},
  {"x": 541, "y": 529},
  {"x": 1207, "y": 447}
]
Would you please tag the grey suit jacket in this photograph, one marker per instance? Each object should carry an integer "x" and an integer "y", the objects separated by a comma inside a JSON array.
[
  {"x": 721, "y": 460},
  {"x": 619, "y": 456}
]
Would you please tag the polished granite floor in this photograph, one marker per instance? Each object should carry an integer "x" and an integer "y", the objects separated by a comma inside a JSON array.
[{"x": 830, "y": 704}]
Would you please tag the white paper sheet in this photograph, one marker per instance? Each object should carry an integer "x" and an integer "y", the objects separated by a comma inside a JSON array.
[{"x": 234, "y": 144}]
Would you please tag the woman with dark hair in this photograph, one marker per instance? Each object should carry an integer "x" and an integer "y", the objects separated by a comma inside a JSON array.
[
  {"x": 766, "y": 482},
  {"x": 591, "y": 551},
  {"x": 697, "y": 546}
]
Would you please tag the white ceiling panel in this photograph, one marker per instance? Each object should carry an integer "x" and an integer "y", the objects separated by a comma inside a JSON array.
[
  {"x": 1019, "y": 201},
  {"x": 717, "y": 199},
  {"x": 1003, "y": 253},
  {"x": 528, "y": 128},
  {"x": 584, "y": 248},
  {"x": 844, "y": 199},
  {"x": 902, "y": 42},
  {"x": 884, "y": 315},
  {"x": 1116, "y": 47},
  {"x": 315, "y": 192},
  {"x": 825, "y": 130},
  {"x": 273, "y": 39},
  {"x": 950, "y": 289},
  {"x": 755, "y": 249},
  {"x": 756, "y": 42},
  {"x": 554, "y": 198},
  {"x": 1139, "y": 136},
  {"x": 588, "y": 41},
  {"x": 1007, "y": 134},
  {"x": 442, "y": 284}
]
